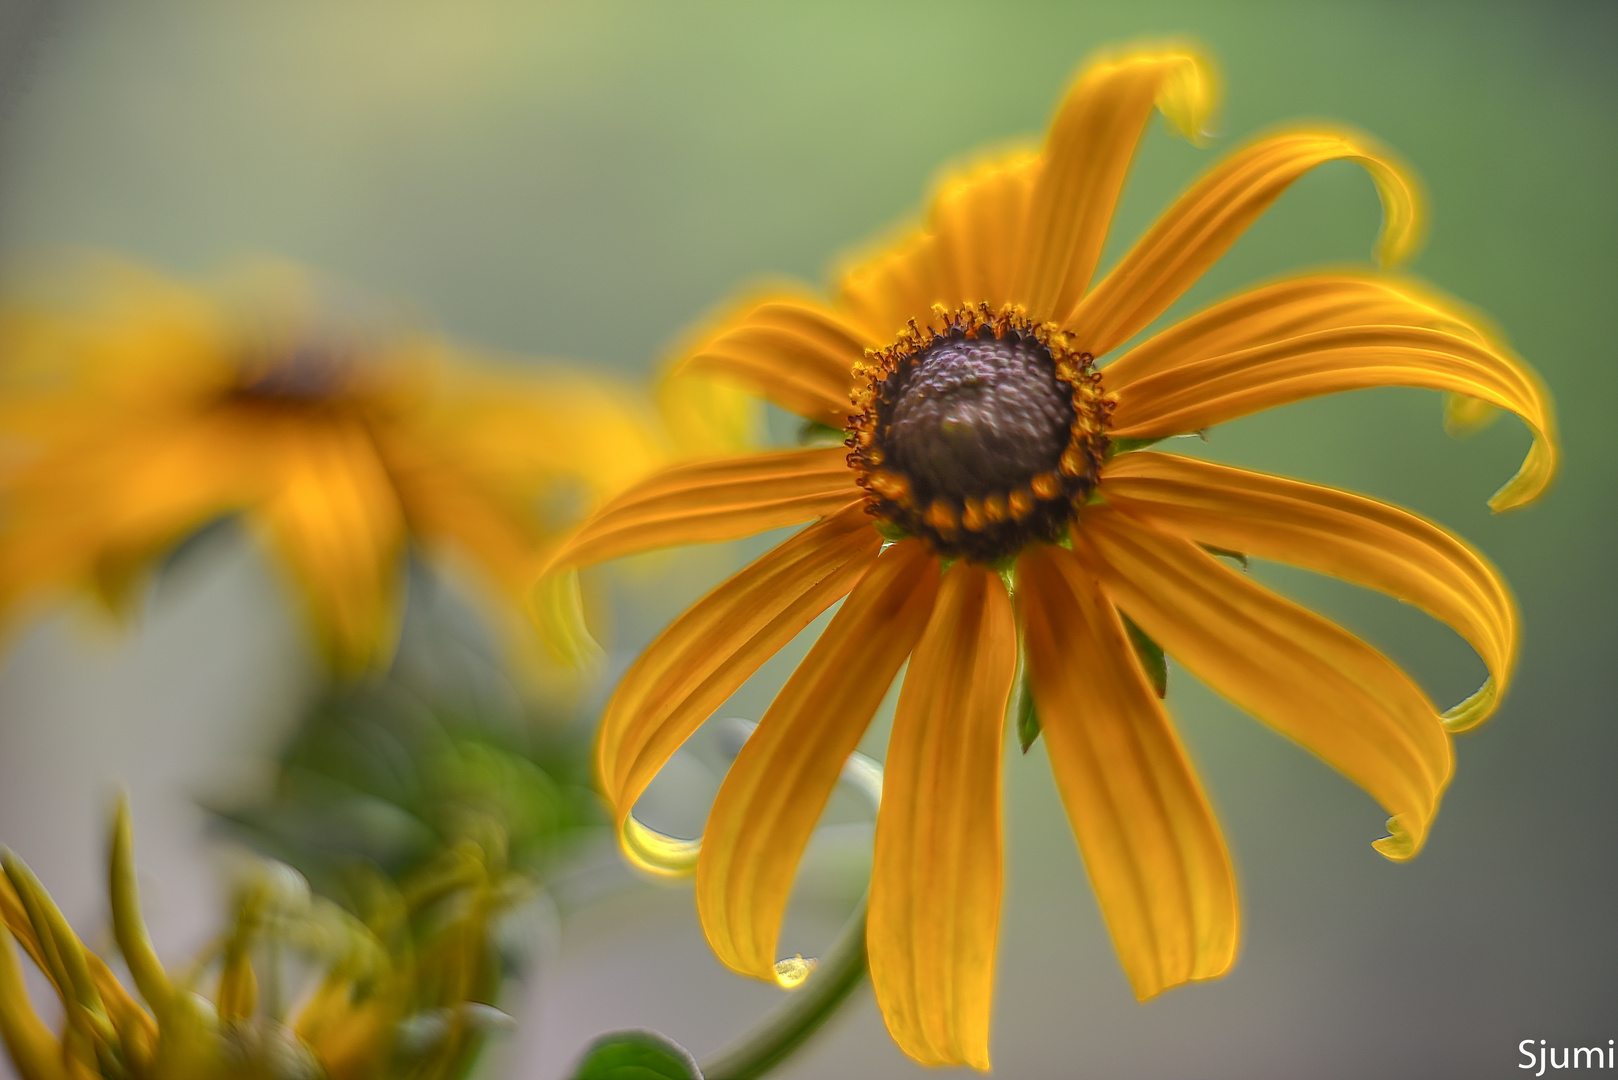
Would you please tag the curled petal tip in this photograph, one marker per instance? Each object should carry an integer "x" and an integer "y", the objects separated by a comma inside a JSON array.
[
  {"x": 1189, "y": 97},
  {"x": 656, "y": 852},
  {"x": 1400, "y": 843},
  {"x": 1474, "y": 710},
  {"x": 1537, "y": 471}
]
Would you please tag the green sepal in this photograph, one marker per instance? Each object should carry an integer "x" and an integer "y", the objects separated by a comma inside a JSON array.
[
  {"x": 1116, "y": 446},
  {"x": 1027, "y": 715},
  {"x": 814, "y": 433},
  {"x": 636, "y": 1055},
  {"x": 1150, "y": 654},
  {"x": 1235, "y": 556},
  {"x": 890, "y": 532}
]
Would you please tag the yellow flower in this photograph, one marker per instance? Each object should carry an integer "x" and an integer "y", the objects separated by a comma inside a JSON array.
[
  {"x": 402, "y": 992},
  {"x": 993, "y": 508},
  {"x": 136, "y": 410}
]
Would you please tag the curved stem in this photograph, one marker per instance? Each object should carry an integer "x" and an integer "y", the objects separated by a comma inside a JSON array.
[{"x": 834, "y": 979}]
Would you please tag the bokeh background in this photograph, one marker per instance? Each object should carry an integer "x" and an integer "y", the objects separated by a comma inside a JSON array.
[{"x": 583, "y": 179}]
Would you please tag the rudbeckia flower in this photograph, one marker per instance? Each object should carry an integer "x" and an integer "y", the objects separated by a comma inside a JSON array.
[
  {"x": 994, "y": 519},
  {"x": 135, "y": 410}
]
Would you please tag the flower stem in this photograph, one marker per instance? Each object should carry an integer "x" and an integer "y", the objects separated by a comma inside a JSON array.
[{"x": 779, "y": 1035}]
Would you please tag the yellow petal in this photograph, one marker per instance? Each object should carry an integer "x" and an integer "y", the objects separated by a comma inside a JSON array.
[
  {"x": 1285, "y": 309},
  {"x": 1306, "y": 677},
  {"x": 707, "y": 653},
  {"x": 882, "y": 293},
  {"x": 769, "y": 803},
  {"x": 33, "y": 1049},
  {"x": 99, "y": 512},
  {"x": 708, "y": 501},
  {"x": 795, "y": 352},
  {"x": 1087, "y": 154},
  {"x": 1152, "y": 848},
  {"x": 336, "y": 522},
  {"x": 518, "y": 432},
  {"x": 977, "y": 221},
  {"x": 557, "y": 607},
  {"x": 1332, "y": 532},
  {"x": 1207, "y": 219},
  {"x": 1199, "y": 393},
  {"x": 707, "y": 415},
  {"x": 452, "y": 510},
  {"x": 936, "y": 872}
]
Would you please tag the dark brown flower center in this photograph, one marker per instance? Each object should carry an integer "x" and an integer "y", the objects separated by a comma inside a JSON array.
[
  {"x": 975, "y": 417},
  {"x": 981, "y": 435}
]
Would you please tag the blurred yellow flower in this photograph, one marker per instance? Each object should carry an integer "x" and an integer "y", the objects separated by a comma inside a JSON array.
[
  {"x": 134, "y": 410},
  {"x": 405, "y": 992},
  {"x": 991, "y": 511}
]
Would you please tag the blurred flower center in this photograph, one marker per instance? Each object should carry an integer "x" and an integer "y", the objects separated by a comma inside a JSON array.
[{"x": 307, "y": 371}]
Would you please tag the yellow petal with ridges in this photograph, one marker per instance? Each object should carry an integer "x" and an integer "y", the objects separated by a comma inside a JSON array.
[
  {"x": 708, "y": 501},
  {"x": 902, "y": 281},
  {"x": 792, "y": 350},
  {"x": 1284, "y": 309},
  {"x": 706, "y": 654},
  {"x": 1208, "y": 218},
  {"x": 1087, "y": 153},
  {"x": 768, "y": 804},
  {"x": 1151, "y": 846},
  {"x": 936, "y": 873},
  {"x": 977, "y": 219},
  {"x": 1200, "y": 393},
  {"x": 1332, "y": 532},
  {"x": 1306, "y": 677}
]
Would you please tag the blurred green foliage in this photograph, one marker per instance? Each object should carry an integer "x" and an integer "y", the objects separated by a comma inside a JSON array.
[{"x": 377, "y": 776}]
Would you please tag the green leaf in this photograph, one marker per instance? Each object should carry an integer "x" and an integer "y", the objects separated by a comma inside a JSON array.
[
  {"x": 1027, "y": 715},
  {"x": 1151, "y": 657},
  {"x": 636, "y": 1055}
]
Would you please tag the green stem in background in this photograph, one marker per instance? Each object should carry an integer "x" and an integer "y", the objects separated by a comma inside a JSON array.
[{"x": 825, "y": 991}]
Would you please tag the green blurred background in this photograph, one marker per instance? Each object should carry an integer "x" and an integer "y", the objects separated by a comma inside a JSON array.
[{"x": 582, "y": 180}]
